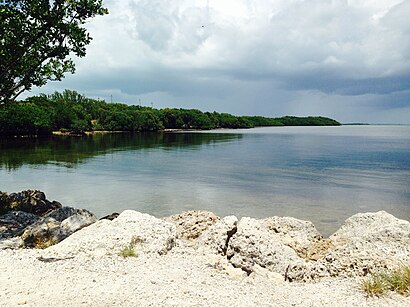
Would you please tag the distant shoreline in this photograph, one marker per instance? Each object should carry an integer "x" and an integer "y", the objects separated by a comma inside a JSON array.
[{"x": 172, "y": 130}]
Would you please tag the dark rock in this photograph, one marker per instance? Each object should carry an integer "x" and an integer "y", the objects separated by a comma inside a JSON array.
[
  {"x": 12, "y": 223},
  {"x": 43, "y": 233},
  {"x": 30, "y": 201},
  {"x": 4, "y": 202},
  {"x": 63, "y": 213},
  {"x": 56, "y": 226},
  {"x": 80, "y": 219},
  {"x": 110, "y": 217}
]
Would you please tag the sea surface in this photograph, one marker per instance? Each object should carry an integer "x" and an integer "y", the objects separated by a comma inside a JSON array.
[{"x": 321, "y": 174}]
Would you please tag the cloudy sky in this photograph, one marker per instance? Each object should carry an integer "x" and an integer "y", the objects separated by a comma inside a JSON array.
[{"x": 347, "y": 59}]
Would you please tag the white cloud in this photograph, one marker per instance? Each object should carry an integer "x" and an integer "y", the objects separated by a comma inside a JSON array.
[
  {"x": 228, "y": 51},
  {"x": 353, "y": 39}
]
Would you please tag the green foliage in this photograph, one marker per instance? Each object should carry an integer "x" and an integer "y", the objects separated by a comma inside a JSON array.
[
  {"x": 72, "y": 112},
  {"x": 308, "y": 121},
  {"x": 379, "y": 283},
  {"x": 374, "y": 286},
  {"x": 25, "y": 119},
  {"x": 128, "y": 251},
  {"x": 36, "y": 39},
  {"x": 260, "y": 121},
  {"x": 80, "y": 126}
]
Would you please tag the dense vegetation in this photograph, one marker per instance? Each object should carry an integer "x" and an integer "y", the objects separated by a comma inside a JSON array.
[{"x": 72, "y": 112}]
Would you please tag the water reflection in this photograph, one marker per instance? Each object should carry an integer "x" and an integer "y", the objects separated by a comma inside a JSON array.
[{"x": 70, "y": 151}]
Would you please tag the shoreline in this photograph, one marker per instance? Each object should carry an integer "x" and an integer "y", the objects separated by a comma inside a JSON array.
[
  {"x": 181, "y": 260},
  {"x": 176, "y": 130},
  {"x": 166, "y": 130},
  {"x": 191, "y": 258}
]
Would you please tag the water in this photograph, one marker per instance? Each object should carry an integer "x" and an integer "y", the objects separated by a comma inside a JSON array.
[{"x": 322, "y": 174}]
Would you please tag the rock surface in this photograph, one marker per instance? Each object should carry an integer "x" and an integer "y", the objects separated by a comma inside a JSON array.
[
  {"x": 56, "y": 226},
  {"x": 367, "y": 242},
  {"x": 31, "y": 201},
  {"x": 144, "y": 233},
  {"x": 13, "y": 223},
  {"x": 191, "y": 224},
  {"x": 300, "y": 235},
  {"x": 295, "y": 249},
  {"x": 275, "y": 246},
  {"x": 216, "y": 238},
  {"x": 254, "y": 244},
  {"x": 40, "y": 223},
  {"x": 207, "y": 261}
]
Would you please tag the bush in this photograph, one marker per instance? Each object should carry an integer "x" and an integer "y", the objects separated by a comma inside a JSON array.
[
  {"x": 397, "y": 280},
  {"x": 128, "y": 251}
]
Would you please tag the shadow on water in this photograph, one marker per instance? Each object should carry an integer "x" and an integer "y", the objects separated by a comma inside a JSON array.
[{"x": 69, "y": 151}]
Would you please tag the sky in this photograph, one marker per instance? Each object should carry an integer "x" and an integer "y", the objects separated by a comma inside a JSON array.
[{"x": 345, "y": 59}]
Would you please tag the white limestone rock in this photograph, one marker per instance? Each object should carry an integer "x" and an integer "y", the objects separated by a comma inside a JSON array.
[
  {"x": 298, "y": 234},
  {"x": 11, "y": 243},
  {"x": 217, "y": 236},
  {"x": 145, "y": 232},
  {"x": 273, "y": 277},
  {"x": 253, "y": 243},
  {"x": 222, "y": 264},
  {"x": 367, "y": 242},
  {"x": 191, "y": 224}
]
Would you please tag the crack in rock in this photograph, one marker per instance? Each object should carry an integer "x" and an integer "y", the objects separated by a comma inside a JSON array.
[{"x": 229, "y": 234}]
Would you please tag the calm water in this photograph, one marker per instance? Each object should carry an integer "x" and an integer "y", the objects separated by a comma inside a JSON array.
[{"x": 322, "y": 174}]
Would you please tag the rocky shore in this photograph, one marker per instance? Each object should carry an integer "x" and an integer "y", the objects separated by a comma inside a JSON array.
[{"x": 51, "y": 255}]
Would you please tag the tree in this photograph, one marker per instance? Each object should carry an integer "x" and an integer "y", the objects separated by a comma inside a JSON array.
[{"x": 36, "y": 39}]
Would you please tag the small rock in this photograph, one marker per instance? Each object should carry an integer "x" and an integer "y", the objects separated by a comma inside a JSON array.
[
  {"x": 63, "y": 213},
  {"x": 110, "y": 217},
  {"x": 22, "y": 302},
  {"x": 223, "y": 265},
  {"x": 82, "y": 218},
  {"x": 262, "y": 273}
]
